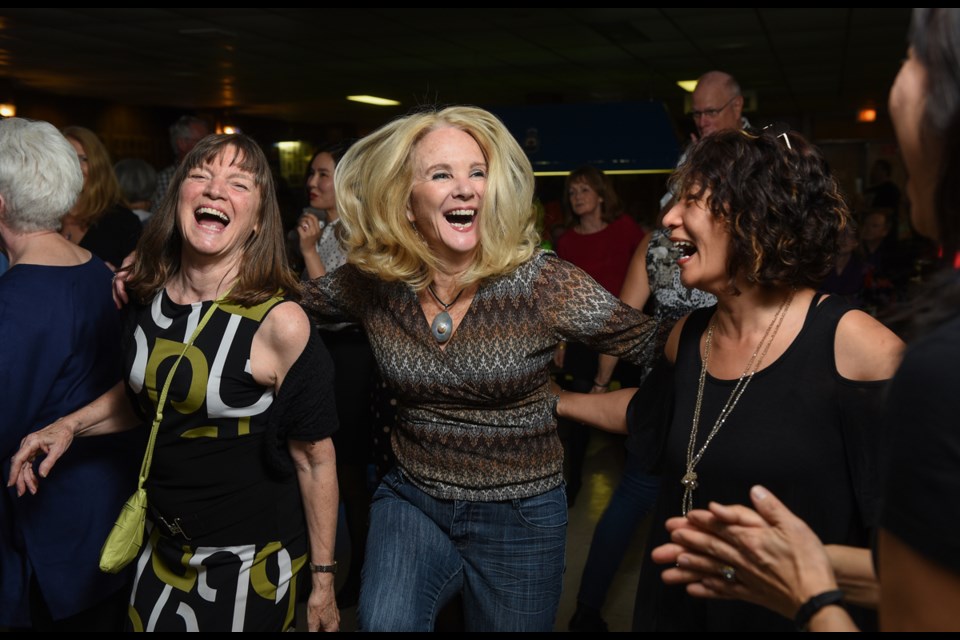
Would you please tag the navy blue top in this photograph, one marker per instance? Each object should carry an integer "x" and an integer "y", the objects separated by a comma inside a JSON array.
[{"x": 59, "y": 350}]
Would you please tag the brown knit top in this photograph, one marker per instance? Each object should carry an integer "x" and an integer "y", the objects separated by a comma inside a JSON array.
[{"x": 475, "y": 421}]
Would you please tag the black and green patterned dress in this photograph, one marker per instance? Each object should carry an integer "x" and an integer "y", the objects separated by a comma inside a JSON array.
[{"x": 226, "y": 533}]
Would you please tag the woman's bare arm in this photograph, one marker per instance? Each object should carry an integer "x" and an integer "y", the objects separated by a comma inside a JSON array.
[{"x": 110, "y": 413}]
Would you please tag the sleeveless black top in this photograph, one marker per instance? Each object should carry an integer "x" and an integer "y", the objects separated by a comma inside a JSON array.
[{"x": 800, "y": 429}]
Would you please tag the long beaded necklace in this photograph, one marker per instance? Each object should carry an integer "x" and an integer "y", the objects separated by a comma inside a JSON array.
[
  {"x": 442, "y": 325},
  {"x": 690, "y": 480}
]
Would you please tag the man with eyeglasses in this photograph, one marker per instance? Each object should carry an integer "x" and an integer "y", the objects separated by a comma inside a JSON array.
[{"x": 717, "y": 104}]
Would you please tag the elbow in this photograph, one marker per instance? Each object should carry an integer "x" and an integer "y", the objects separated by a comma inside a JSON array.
[
  {"x": 310, "y": 456},
  {"x": 620, "y": 426}
]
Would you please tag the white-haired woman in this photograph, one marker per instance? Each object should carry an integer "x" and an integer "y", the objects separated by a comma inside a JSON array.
[{"x": 59, "y": 351}]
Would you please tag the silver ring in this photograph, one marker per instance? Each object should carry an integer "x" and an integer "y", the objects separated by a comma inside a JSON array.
[{"x": 729, "y": 573}]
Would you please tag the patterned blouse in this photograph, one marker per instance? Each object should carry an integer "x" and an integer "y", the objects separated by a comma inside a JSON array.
[
  {"x": 475, "y": 421},
  {"x": 671, "y": 300},
  {"x": 329, "y": 248}
]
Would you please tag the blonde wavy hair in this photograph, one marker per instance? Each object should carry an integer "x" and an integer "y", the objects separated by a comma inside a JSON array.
[
  {"x": 101, "y": 189},
  {"x": 374, "y": 181}
]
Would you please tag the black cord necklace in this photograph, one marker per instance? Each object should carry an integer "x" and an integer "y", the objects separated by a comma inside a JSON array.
[{"x": 442, "y": 325}]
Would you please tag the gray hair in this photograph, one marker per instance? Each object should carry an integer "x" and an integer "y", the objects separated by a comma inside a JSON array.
[
  {"x": 40, "y": 175},
  {"x": 182, "y": 128},
  {"x": 723, "y": 79},
  {"x": 137, "y": 178}
]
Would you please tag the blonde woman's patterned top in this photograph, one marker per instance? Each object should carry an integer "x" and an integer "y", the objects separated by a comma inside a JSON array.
[{"x": 475, "y": 421}]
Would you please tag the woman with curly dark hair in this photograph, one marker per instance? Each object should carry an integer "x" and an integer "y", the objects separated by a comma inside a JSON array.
[
  {"x": 777, "y": 560},
  {"x": 776, "y": 383}
]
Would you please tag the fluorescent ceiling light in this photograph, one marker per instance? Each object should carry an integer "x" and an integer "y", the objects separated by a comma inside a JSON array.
[
  {"x": 380, "y": 102},
  {"x": 609, "y": 172}
]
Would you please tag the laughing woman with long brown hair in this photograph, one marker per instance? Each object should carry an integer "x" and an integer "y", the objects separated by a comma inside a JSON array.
[{"x": 242, "y": 489}]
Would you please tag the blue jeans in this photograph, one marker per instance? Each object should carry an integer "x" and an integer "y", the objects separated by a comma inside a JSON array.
[
  {"x": 631, "y": 501},
  {"x": 505, "y": 558}
]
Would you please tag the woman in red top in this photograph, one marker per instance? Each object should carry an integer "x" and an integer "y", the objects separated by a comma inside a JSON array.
[{"x": 601, "y": 241}]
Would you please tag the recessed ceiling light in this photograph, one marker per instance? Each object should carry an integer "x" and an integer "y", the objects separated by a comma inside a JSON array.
[
  {"x": 687, "y": 85},
  {"x": 380, "y": 102}
]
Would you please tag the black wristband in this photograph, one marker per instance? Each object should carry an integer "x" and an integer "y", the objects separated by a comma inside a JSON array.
[
  {"x": 324, "y": 568},
  {"x": 814, "y": 604}
]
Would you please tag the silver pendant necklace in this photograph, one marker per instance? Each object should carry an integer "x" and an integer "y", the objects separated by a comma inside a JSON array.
[
  {"x": 691, "y": 480},
  {"x": 442, "y": 325}
]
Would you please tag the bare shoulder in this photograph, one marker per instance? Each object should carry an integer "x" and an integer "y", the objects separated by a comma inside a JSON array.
[
  {"x": 287, "y": 323},
  {"x": 865, "y": 350},
  {"x": 641, "y": 249},
  {"x": 636, "y": 286},
  {"x": 639, "y": 259},
  {"x": 278, "y": 342}
]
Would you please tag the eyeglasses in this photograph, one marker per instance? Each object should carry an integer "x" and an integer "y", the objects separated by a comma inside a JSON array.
[
  {"x": 779, "y": 130},
  {"x": 711, "y": 113}
]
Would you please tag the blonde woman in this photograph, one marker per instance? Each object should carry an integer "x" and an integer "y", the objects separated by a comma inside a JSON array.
[{"x": 463, "y": 312}]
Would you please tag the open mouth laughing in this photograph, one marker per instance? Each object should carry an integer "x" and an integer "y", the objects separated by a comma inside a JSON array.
[
  {"x": 211, "y": 218},
  {"x": 684, "y": 250},
  {"x": 461, "y": 219}
]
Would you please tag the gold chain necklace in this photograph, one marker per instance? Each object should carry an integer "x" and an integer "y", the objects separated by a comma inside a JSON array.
[{"x": 689, "y": 480}]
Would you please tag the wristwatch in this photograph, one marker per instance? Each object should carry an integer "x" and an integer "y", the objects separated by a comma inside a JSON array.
[{"x": 324, "y": 568}]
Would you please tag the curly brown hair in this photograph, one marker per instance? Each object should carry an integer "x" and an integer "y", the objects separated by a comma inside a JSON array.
[{"x": 781, "y": 205}]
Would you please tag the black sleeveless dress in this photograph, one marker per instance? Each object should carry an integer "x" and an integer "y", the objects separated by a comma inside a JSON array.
[
  {"x": 226, "y": 530},
  {"x": 800, "y": 429}
]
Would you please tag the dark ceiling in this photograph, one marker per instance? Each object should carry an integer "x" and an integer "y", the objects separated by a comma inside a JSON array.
[{"x": 298, "y": 64}]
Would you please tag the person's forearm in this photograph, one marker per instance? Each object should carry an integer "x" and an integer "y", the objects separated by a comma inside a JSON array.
[
  {"x": 317, "y": 475},
  {"x": 833, "y": 618},
  {"x": 605, "y": 366},
  {"x": 110, "y": 413},
  {"x": 853, "y": 568},
  {"x": 604, "y": 411},
  {"x": 313, "y": 263},
  {"x": 316, "y": 466}
]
